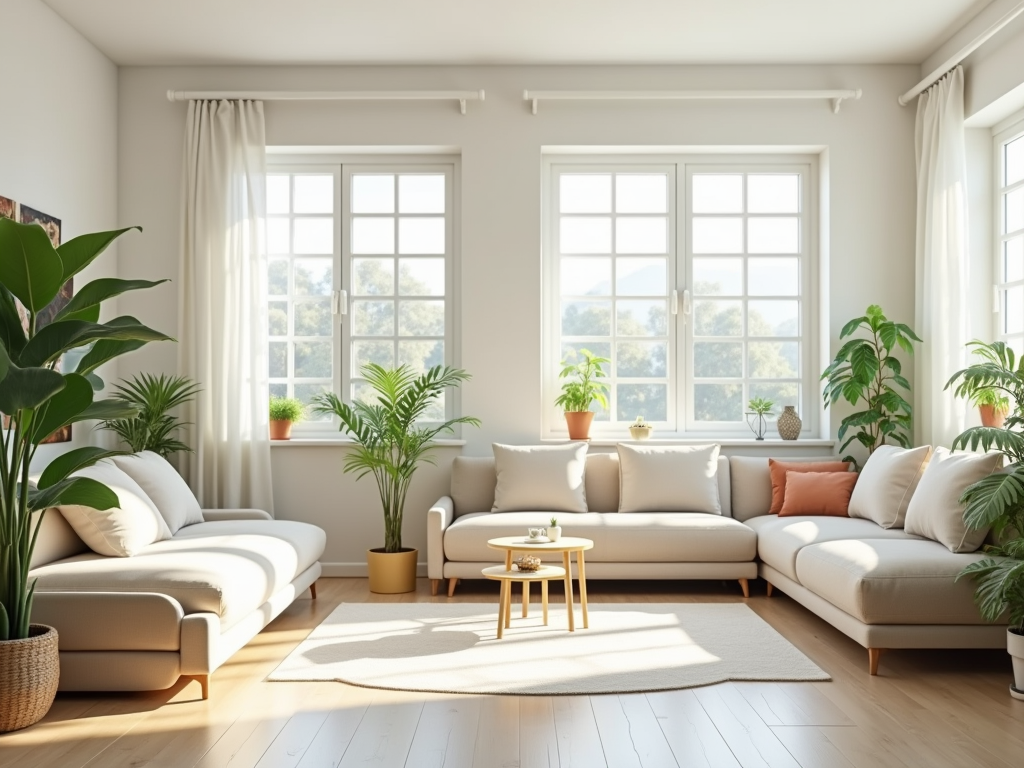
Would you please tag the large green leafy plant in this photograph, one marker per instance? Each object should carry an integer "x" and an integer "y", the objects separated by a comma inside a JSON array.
[
  {"x": 866, "y": 373},
  {"x": 583, "y": 386},
  {"x": 39, "y": 399},
  {"x": 392, "y": 436},
  {"x": 153, "y": 427},
  {"x": 997, "y": 501}
]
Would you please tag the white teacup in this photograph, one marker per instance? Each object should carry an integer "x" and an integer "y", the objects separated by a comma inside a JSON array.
[{"x": 536, "y": 533}]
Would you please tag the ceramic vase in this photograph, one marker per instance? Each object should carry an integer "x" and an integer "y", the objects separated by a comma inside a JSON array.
[{"x": 789, "y": 423}]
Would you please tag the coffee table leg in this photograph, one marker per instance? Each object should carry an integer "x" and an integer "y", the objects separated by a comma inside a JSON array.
[
  {"x": 526, "y": 599},
  {"x": 568, "y": 591},
  {"x": 544, "y": 599},
  {"x": 501, "y": 606},
  {"x": 583, "y": 588},
  {"x": 508, "y": 559},
  {"x": 508, "y": 605}
]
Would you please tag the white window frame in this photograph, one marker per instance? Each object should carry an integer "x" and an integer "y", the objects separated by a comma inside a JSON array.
[
  {"x": 343, "y": 166},
  {"x": 680, "y": 424},
  {"x": 1013, "y": 130}
]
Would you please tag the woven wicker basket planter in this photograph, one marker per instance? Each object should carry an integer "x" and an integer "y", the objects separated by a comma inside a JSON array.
[{"x": 29, "y": 671}]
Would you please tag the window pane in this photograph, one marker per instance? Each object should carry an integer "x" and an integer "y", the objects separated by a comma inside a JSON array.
[
  {"x": 717, "y": 235},
  {"x": 641, "y": 318},
  {"x": 773, "y": 235},
  {"x": 277, "y": 277},
  {"x": 717, "y": 193},
  {"x": 1014, "y": 161},
  {"x": 421, "y": 318},
  {"x": 278, "y": 194},
  {"x": 641, "y": 193},
  {"x": 314, "y": 236},
  {"x": 773, "y": 277},
  {"x": 717, "y": 277},
  {"x": 373, "y": 318},
  {"x": 571, "y": 351},
  {"x": 379, "y": 352},
  {"x": 373, "y": 235},
  {"x": 585, "y": 235},
  {"x": 279, "y": 390},
  {"x": 647, "y": 400},
  {"x": 718, "y": 402},
  {"x": 773, "y": 318},
  {"x": 373, "y": 277},
  {"x": 1013, "y": 259},
  {"x": 305, "y": 392},
  {"x": 422, "y": 193},
  {"x": 278, "y": 236},
  {"x": 585, "y": 277},
  {"x": 373, "y": 193},
  {"x": 641, "y": 358},
  {"x": 278, "y": 357},
  {"x": 585, "y": 193},
  {"x": 312, "y": 318},
  {"x": 586, "y": 318},
  {"x": 773, "y": 359},
  {"x": 1014, "y": 310},
  {"x": 646, "y": 234},
  {"x": 314, "y": 194},
  {"x": 314, "y": 277},
  {"x": 1014, "y": 210},
  {"x": 718, "y": 359},
  {"x": 278, "y": 317},
  {"x": 421, "y": 277},
  {"x": 421, "y": 235},
  {"x": 773, "y": 193},
  {"x": 718, "y": 318},
  {"x": 780, "y": 394},
  {"x": 641, "y": 277},
  {"x": 421, "y": 355},
  {"x": 313, "y": 359}
]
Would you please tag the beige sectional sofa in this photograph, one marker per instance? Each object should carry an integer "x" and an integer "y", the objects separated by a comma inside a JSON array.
[{"x": 884, "y": 588}]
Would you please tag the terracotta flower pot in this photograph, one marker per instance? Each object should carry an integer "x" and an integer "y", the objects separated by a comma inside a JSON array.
[
  {"x": 280, "y": 429},
  {"x": 391, "y": 573},
  {"x": 990, "y": 417},
  {"x": 29, "y": 673},
  {"x": 578, "y": 423}
]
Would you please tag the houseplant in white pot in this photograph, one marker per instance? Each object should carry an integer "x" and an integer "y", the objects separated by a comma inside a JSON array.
[
  {"x": 391, "y": 439},
  {"x": 581, "y": 389},
  {"x": 997, "y": 501},
  {"x": 38, "y": 399},
  {"x": 554, "y": 530}
]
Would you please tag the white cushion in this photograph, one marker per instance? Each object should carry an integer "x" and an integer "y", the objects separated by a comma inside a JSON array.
[
  {"x": 676, "y": 478},
  {"x": 542, "y": 477},
  {"x": 936, "y": 512},
  {"x": 161, "y": 482},
  {"x": 125, "y": 530},
  {"x": 886, "y": 484}
]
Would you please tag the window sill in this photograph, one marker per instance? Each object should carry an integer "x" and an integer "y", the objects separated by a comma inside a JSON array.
[
  {"x": 341, "y": 442},
  {"x": 727, "y": 442}
]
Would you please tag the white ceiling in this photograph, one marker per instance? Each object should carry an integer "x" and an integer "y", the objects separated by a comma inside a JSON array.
[{"x": 169, "y": 32}]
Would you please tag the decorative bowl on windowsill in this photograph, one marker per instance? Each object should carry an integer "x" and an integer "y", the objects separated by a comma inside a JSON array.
[{"x": 640, "y": 429}]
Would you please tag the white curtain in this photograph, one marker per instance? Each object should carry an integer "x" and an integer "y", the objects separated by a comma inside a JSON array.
[
  {"x": 941, "y": 290},
  {"x": 223, "y": 298}
]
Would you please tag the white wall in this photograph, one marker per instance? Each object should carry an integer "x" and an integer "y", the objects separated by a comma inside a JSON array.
[
  {"x": 58, "y": 122},
  {"x": 870, "y": 161}
]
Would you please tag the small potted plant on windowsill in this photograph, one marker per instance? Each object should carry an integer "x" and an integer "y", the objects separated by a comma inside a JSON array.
[
  {"x": 758, "y": 415},
  {"x": 992, "y": 406},
  {"x": 582, "y": 390},
  {"x": 640, "y": 429},
  {"x": 284, "y": 411}
]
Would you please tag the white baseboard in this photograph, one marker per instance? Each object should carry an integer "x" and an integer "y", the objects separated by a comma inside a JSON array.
[{"x": 358, "y": 570}]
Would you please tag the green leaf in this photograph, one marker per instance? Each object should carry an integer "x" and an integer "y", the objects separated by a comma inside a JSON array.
[
  {"x": 76, "y": 254},
  {"x": 865, "y": 363},
  {"x": 114, "y": 408},
  {"x": 79, "y": 491},
  {"x": 12, "y": 332},
  {"x": 61, "y": 409},
  {"x": 888, "y": 333},
  {"x": 852, "y": 391},
  {"x": 104, "y": 351},
  {"x": 28, "y": 388},
  {"x": 988, "y": 499},
  {"x": 57, "y": 338},
  {"x": 907, "y": 331},
  {"x": 72, "y": 461},
  {"x": 29, "y": 265},
  {"x": 905, "y": 344},
  {"x": 5, "y": 362},
  {"x": 852, "y": 326},
  {"x": 86, "y": 303},
  {"x": 901, "y": 381}
]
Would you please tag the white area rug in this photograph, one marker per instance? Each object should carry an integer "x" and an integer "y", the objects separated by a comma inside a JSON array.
[{"x": 453, "y": 648}]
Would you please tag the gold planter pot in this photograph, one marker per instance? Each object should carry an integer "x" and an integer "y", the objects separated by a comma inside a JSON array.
[
  {"x": 29, "y": 672},
  {"x": 392, "y": 573}
]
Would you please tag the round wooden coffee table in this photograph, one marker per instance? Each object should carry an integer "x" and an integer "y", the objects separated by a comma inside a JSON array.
[
  {"x": 566, "y": 545},
  {"x": 542, "y": 574}
]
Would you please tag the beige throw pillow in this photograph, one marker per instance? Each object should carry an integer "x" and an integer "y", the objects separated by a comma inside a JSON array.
[
  {"x": 887, "y": 484},
  {"x": 936, "y": 512},
  {"x": 676, "y": 478},
  {"x": 124, "y": 530},
  {"x": 163, "y": 485},
  {"x": 543, "y": 478}
]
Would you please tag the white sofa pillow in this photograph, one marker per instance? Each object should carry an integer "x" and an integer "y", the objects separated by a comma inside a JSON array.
[
  {"x": 545, "y": 478},
  {"x": 936, "y": 512},
  {"x": 676, "y": 478},
  {"x": 886, "y": 484},
  {"x": 164, "y": 486},
  {"x": 124, "y": 530}
]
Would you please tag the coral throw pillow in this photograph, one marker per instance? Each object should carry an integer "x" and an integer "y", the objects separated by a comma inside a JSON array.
[
  {"x": 818, "y": 493},
  {"x": 779, "y": 470}
]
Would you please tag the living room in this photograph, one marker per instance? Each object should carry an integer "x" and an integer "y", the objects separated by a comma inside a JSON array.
[{"x": 505, "y": 110}]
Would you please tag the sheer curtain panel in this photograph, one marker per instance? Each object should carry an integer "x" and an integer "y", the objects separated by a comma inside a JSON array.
[
  {"x": 223, "y": 300},
  {"x": 941, "y": 287}
]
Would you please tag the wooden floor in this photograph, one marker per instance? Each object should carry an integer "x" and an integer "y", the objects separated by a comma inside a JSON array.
[{"x": 926, "y": 708}]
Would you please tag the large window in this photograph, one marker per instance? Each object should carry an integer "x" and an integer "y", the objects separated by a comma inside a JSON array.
[
  {"x": 692, "y": 278},
  {"x": 360, "y": 270},
  {"x": 1010, "y": 236}
]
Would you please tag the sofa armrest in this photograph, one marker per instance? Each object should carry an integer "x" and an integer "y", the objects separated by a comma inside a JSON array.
[
  {"x": 199, "y": 635},
  {"x": 111, "y": 621},
  {"x": 439, "y": 517},
  {"x": 214, "y": 515}
]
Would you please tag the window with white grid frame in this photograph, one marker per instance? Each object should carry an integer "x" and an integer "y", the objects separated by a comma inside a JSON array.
[{"x": 1010, "y": 236}]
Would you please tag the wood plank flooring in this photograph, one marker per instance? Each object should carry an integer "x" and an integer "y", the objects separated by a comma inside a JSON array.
[{"x": 926, "y": 708}]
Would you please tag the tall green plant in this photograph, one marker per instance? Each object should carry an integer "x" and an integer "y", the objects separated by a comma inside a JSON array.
[
  {"x": 997, "y": 501},
  {"x": 40, "y": 400},
  {"x": 390, "y": 444},
  {"x": 152, "y": 428},
  {"x": 863, "y": 373},
  {"x": 583, "y": 385}
]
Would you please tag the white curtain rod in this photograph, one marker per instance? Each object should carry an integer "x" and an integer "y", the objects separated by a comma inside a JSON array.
[
  {"x": 836, "y": 96},
  {"x": 939, "y": 72},
  {"x": 461, "y": 96}
]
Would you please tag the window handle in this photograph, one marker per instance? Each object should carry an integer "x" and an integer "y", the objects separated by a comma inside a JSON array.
[
  {"x": 675, "y": 302},
  {"x": 686, "y": 303},
  {"x": 340, "y": 303}
]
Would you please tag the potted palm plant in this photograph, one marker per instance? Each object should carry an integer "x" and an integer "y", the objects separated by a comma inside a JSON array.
[
  {"x": 581, "y": 389},
  {"x": 38, "y": 399},
  {"x": 997, "y": 501},
  {"x": 153, "y": 428},
  {"x": 392, "y": 437},
  {"x": 992, "y": 407}
]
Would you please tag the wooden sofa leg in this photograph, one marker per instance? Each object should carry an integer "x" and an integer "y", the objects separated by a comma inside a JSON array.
[
  {"x": 745, "y": 586},
  {"x": 874, "y": 654},
  {"x": 770, "y": 588},
  {"x": 434, "y": 584},
  {"x": 312, "y": 590},
  {"x": 204, "y": 684},
  {"x": 451, "y": 586}
]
